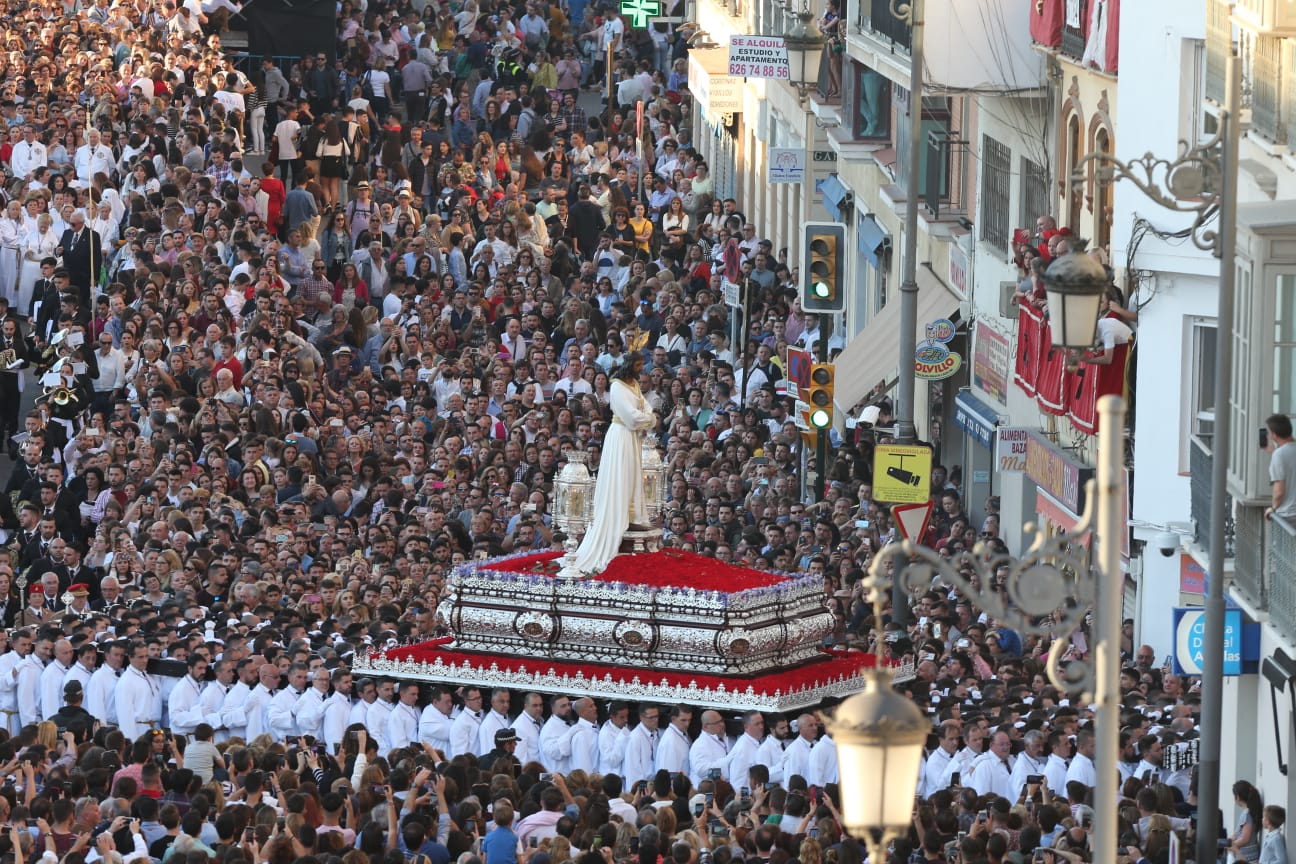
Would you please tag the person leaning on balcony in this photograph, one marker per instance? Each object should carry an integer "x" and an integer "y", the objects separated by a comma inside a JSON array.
[{"x": 1282, "y": 467}]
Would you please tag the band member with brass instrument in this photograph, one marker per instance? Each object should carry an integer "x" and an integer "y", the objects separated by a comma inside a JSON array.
[{"x": 13, "y": 360}]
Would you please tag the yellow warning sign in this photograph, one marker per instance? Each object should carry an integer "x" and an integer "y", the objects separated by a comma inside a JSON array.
[{"x": 902, "y": 474}]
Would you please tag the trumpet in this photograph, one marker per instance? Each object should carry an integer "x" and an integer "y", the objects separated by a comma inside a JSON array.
[{"x": 8, "y": 357}]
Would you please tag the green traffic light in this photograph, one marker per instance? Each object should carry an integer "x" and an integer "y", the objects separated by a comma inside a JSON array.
[
  {"x": 821, "y": 290},
  {"x": 820, "y": 419}
]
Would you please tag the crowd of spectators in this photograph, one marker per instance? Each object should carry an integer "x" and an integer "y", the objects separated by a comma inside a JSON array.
[{"x": 284, "y": 407}]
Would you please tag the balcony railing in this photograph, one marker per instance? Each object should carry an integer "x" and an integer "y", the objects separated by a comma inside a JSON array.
[
  {"x": 1219, "y": 42},
  {"x": 1249, "y": 564},
  {"x": 1199, "y": 466},
  {"x": 875, "y": 16},
  {"x": 1281, "y": 575},
  {"x": 1267, "y": 89},
  {"x": 1073, "y": 28}
]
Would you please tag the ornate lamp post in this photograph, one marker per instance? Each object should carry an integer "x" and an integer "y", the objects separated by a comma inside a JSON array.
[
  {"x": 573, "y": 508},
  {"x": 805, "y": 46},
  {"x": 1074, "y": 284},
  {"x": 1050, "y": 591}
]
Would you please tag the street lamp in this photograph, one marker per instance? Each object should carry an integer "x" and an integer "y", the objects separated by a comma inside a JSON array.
[
  {"x": 1074, "y": 284},
  {"x": 1050, "y": 591},
  {"x": 805, "y": 45}
]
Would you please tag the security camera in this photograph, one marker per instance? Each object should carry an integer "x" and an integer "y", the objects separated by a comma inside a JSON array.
[{"x": 1168, "y": 543}]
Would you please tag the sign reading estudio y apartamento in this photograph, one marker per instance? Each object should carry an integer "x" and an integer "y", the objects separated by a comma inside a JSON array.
[{"x": 759, "y": 57}]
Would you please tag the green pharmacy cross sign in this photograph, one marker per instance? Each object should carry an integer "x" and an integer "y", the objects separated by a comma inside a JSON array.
[{"x": 639, "y": 11}]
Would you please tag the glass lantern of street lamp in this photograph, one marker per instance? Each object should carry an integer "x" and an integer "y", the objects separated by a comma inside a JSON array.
[
  {"x": 805, "y": 45},
  {"x": 879, "y": 736},
  {"x": 1074, "y": 284}
]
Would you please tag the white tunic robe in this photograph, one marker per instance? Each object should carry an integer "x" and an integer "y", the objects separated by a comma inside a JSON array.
[{"x": 618, "y": 495}]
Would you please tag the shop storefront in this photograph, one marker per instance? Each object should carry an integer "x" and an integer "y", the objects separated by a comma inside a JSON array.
[{"x": 719, "y": 98}]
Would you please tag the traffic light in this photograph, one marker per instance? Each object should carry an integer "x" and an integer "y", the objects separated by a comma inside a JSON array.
[
  {"x": 821, "y": 396},
  {"x": 822, "y": 286}
]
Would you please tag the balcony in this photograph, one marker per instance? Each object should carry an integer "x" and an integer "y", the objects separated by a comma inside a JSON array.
[
  {"x": 875, "y": 15},
  {"x": 1266, "y": 17},
  {"x": 1267, "y": 95},
  {"x": 1280, "y": 574},
  {"x": 1249, "y": 565},
  {"x": 1086, "y": 31},
  {"x": 1199, "y": 466}
]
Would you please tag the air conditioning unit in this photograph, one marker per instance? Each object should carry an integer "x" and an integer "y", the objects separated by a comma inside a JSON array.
[{"x": 1007, "y": 308}]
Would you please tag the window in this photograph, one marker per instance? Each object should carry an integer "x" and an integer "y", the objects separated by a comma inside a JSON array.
[
  {"x": 996, "y": 195},
  {"x": 1034, "y": 194},
  {"x": 870, "y": 94},
  {"x": 1283, "y": 398},
  {"x": 935, "y": 126},
  {"x": 1198, "y": 398}
]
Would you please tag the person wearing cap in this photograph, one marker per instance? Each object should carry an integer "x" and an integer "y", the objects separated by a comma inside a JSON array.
[
  {"x": 79, "y": 607},
  {"x": 72, "y": 715},
  {"x": 505, "y": 748},
  {"x": 51, "y": 679},
  {"x": 35, "y": 614}
]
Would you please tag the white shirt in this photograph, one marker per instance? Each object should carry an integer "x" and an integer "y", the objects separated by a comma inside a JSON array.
[
  {"x": 337, "y": 711},
  {"x": 309, "y": 711},
  {"x": 1055, "y": 771},
  {"x": 99, "y": 699},
  {"x": 823, "y": 763},
  {"x": 490, "y": 724},
  {"x": 584, "y": 747},
  {"x": 402, "y": 725},
  {"x": 708, "y": 751},
  {"x": 376, "y": 723},
  {"x": 434, "y": 728},
  {"x": 51, "y": 688},
  {"x": 989, "y": 774},
  {"x": 1082, "y": 769},
  {"x": 463, "y": 733},
  {"x": 743, "y": 755},
  {"x": 185, "y": 711},
  {"x": 555, "y": 744},
  {"x": 672, "y": 750},
  {"x": 796, "y": 758},
  {"x": 612, "y": 741},
  {"x": 279, "y": 714},
  {"x": 29, "y": 698},
  {"x": 1024, "y": 766},
  {"x": 640, "y": 751},
  {"x": 528, "y": 732},
  {"x": 139, "y": 699},
  {"x": 233, "y": 710},
  {"x": 27, "y": 157},
  {"x": 933, "y": 771},
  {"x": 92, "y": 161},
  {"x": 255, "y": 710},
  {"x": 210, "y": 703}
]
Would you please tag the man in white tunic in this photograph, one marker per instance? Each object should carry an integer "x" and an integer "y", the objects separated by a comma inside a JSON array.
[
  {"x": 527, "y": 726},
  {"x": 213, "y": 699},
  {"x": 87, "y": 656},
  {"x": 435, "y": 721},
  {"x": 612, "y": 738},
  {"x": 279, "y": 713},
  {"x": 992, "y": 772},
  {"x": 555, "y": 736},
  {"x": 138, "y": 696},
  {"x": 309, "y": 709},
  {"x": 673, "y": 749},
  {"x": 746, "y": 750},
  {"x": 463, "y": 731},
  {"x": 367, "y": 690},
  {"x": 584, "y": 737},
  {"x": 183, "y": 705},
  {"x": 20, "y": 647},
  {"x": 403, "y": 723},
  {"x": 100, "y": 701},
  {"x": 379, "y": 711},
  {"x": 496, "y": 719},
  {"x": 256, "y": 708},
  {"x": 51, "y": 680},
  {"x": 796, "y": 758},
  {"x": 641, "y": 747},
  {"x": 234, "y": 707},
  {"x": 29, "y": 676},
  {"x": 823, "y": 763},
  {"x": 934, "y": 769},
  {"x": 1082, "y": 766},
  {"x": 710, "y": 751},
  {"x": 337, "y": 710}
]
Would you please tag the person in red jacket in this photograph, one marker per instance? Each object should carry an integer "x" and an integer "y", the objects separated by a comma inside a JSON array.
[{"x": 273, "y": 187}]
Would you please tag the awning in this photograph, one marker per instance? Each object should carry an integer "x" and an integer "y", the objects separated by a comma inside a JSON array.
[
  {"x": 976, "y": 418},
  {"x": 834, "y": 193},
  {"x": 715, "y": 91},
  {"x": 872, "y": 238},
  {"x": 872, "y": 356}
]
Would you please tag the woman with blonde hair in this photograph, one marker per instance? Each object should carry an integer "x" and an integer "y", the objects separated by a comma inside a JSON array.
[{"x": 47, "y": 735}]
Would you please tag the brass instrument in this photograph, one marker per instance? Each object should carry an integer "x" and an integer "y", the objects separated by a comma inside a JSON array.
[{"x": 8, "y": 357}]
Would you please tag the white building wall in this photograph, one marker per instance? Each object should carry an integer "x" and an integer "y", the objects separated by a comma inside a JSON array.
[{"x": 1156, "y": 51}]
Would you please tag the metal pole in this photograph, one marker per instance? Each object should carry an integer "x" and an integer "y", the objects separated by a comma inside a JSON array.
[
  {"x": 1208, "y": 776},
  {"x": 1107, "y": 620},
  {"x": 821, "y": 436},
  {"x": 904, "y": 408}
]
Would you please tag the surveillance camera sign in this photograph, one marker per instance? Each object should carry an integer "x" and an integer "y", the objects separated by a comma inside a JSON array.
[{"x": 902, "y": 474}]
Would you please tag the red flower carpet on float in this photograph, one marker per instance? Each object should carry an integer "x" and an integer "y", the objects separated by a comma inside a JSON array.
[{"x": 668, "y": 568}]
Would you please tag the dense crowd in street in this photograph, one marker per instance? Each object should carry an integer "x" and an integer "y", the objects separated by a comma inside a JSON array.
[{"x": 309, "y": 336}]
